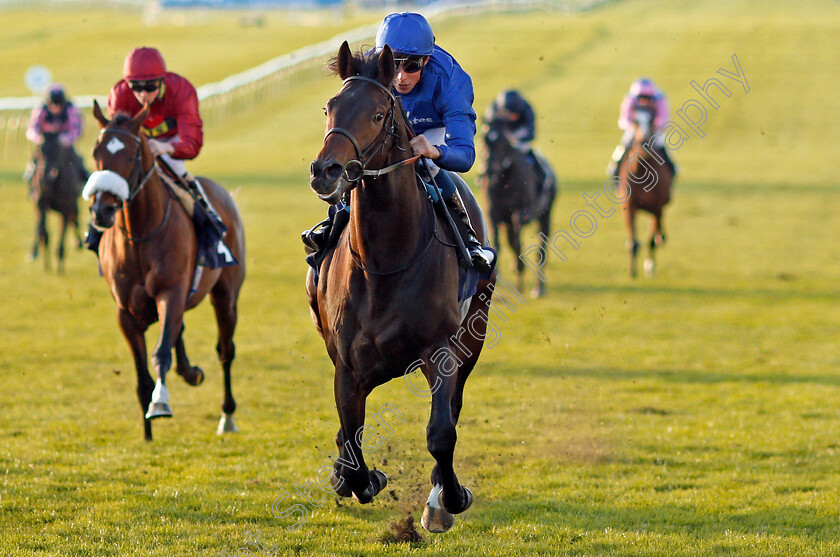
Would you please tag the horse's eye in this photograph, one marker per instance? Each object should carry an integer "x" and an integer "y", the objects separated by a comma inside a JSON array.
[
  {"x": 379, "y": 117},
  {"x": 325, "y": 111}
]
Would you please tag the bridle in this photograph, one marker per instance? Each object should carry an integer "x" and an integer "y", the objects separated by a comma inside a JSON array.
[
  {"x": 139, "y": 182},
  {"x": 135, "y": 175},
  {"x": 356, "y": 169}
]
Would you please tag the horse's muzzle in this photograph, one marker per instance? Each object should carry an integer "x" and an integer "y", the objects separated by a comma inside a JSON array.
[
  {"x": 325, "y": 180},
  {"x": 103, "y": 213}
]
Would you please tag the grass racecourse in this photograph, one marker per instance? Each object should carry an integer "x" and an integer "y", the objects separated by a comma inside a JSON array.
[{"x": 692, "y": 414}]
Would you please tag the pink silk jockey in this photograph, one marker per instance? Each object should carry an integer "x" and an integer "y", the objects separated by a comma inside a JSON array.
[
  {"x": 68, "y": 124},
  {"x": 661, "y": 111}
]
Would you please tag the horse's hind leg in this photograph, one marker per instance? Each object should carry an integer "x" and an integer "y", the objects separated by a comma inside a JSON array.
[
  {"x": 193, "y": 375},
  {"x": 133, "y": 333},
  {"x": 224, "y": 300}
]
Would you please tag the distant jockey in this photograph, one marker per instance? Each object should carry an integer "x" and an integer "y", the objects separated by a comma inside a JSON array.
[
  {"x": 643, "y": 93},
  {"x": 56, "y": 115},
  {"x": 517, "y": 117}
]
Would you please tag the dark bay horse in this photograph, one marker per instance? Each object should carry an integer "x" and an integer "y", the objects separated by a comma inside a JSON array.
[
  {"x": 148, "y": 254},
  {"x": 511, "y": 185},
  {"x": 56, "y": 185},
  {"x": 386, "y": 300},
  {"x": 644, "y": 183}
]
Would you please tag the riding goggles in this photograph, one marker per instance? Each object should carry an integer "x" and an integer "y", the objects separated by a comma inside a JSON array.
[
  {"x": 147, "y": 86},
  {"x": 409, "y": 64}
]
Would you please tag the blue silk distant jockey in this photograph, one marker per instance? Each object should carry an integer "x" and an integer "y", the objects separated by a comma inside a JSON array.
[
  {"x": 516, "y": 116},
  {"x": 437, "y": 95}
]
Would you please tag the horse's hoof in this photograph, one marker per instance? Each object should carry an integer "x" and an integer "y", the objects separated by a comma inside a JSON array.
[
  {"x": 649, "y": 267},
  {"x": 378, "y": 481},
  {"x": 30, "y": 258},
  {"x": 468, "y": 499},
  {"x": 197, "y": 378},
  {"x": 436, "y": 519},
  {"x": 226, "y": 424},
  {"x": 340, "y": 486},
  {"x": 158, "y": 410}
]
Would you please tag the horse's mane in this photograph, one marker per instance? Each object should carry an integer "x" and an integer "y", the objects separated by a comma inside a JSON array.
[{"x": 366, "y": 62}]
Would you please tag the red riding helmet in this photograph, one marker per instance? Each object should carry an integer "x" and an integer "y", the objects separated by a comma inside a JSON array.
[{"x": 144, "y": 64}]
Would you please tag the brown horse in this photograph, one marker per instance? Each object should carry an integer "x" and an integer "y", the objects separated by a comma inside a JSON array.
[
  {"x": 56, "y": 184},
  {"x": 148, "y": 257},
  {"x": 386, "y": 300},
  {"x": 644, "y": 183},
  {"x": 511, "y": 186}
]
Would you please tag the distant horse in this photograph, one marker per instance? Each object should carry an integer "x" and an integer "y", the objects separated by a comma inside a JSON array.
[
  {"x": 644, "y": 183},
  {"x": 56, "y": 185},
  {"x": 148, "y": 257},
  {"x": 513, "y": 194},
  {"x": 386, "y": 300}
]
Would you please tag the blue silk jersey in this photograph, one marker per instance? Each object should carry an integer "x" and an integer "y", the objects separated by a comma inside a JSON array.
[{"x": 444, "y": 98}]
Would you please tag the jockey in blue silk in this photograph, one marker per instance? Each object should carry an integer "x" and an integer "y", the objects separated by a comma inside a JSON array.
[
  {"x": 516, "y": 117},
  {"x": 437, "y": 95}
]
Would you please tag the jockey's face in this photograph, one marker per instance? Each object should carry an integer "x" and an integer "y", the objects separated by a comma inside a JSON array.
[
  {"x": 408, "y": 72},
  {"x": 145, "y": 91},
  {"x": 54, "y": 108}
]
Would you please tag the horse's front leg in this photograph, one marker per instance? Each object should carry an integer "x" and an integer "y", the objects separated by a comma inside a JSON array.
[
  {"x": 514, "y": 233},
  {"x": 170, "y": 309},
  {"x": 447, "y": 497},
  {"x": 134, "y": 334},
  {"x": 351, "y": 474},
  {"x": 632, "y": 243},
  {"x": 61, "y": 245},
  {"x": 655, "y": 239},
  {"x": 40, "y": 235}
]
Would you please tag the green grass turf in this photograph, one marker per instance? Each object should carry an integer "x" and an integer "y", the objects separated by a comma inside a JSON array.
[{"x": 690, "y": 414}]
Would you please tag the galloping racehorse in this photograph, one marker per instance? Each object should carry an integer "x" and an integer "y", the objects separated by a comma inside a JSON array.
[
  {"x": 385, "y": 301},
  {"x": 56, "y": 185},
  {"x": 148, "y": 257},
  {"x": 644, "y": 183},
  {"x": 514, "y": 196}
]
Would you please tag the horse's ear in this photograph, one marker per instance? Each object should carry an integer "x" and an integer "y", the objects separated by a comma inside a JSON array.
[
  {"x": 386, "y": 66},
  {"x": 345, "y": 63},
  {"x": 97, "y": 113},
  {"x": 139, "y": 118}
]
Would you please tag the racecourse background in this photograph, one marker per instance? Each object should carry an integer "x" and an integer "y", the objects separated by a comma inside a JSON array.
[{"x": 694, "y": 414}]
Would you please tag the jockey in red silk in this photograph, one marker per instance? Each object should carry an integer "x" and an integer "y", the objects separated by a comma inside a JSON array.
[
  {"x": 173, "y": 126},
  {"x": 437, "y": 95},
  {"x": 56, "y": 115},
  {"x": 643, "y": 93}
]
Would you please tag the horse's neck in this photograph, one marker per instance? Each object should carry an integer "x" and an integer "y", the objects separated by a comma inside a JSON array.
[
  {"x": 146, "y": 210},
  {"x": 387, "y": 217}
]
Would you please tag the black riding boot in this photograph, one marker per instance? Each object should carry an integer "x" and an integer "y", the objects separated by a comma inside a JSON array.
[
  {"x": 92, "y": 239},
  {"x": 480, "y": 260},
  {"x": 315, "y": 239}
]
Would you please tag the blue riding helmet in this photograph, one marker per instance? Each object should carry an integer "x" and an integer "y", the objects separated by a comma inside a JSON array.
[
  {"x": 511, "y": 101},
  {"x": 406, "y": 33}
]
